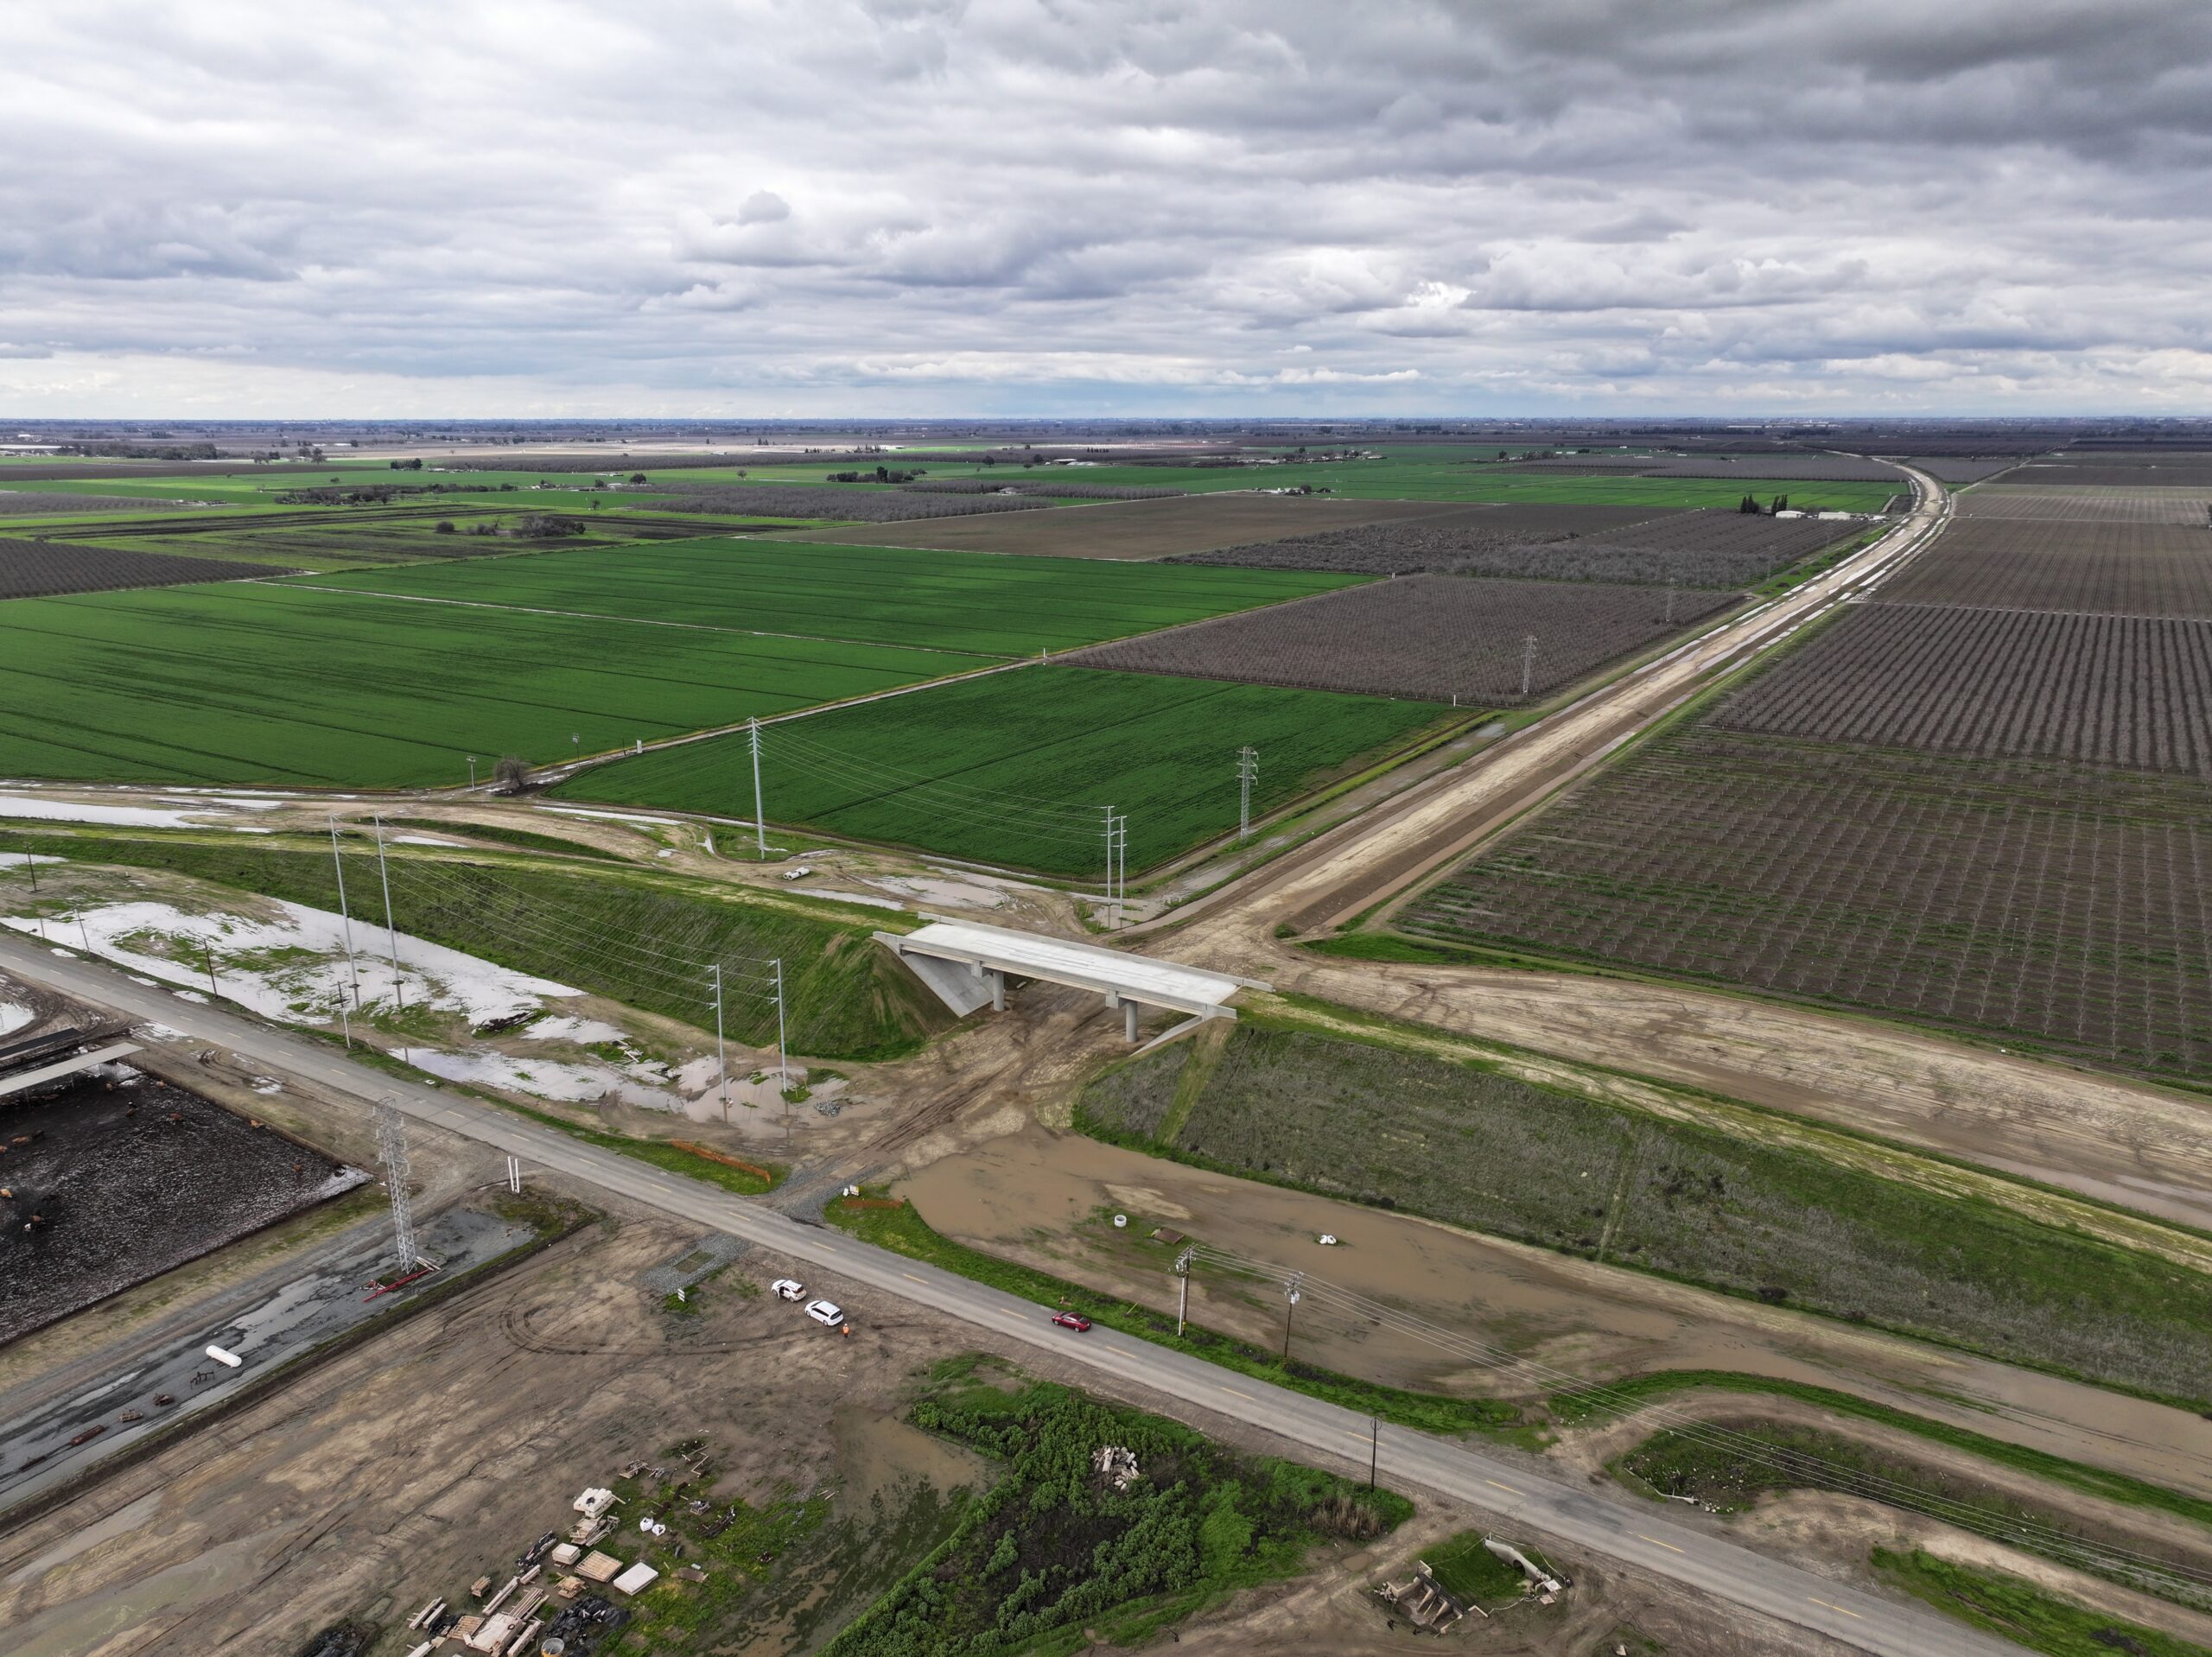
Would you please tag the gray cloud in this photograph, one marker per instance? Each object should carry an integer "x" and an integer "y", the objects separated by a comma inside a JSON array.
[{"x": 729, "y": 207}]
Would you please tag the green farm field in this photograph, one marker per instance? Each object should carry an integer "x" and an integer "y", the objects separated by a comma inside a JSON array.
[
  {"x": 1015, "y": 768},
  {"x": 329, "y": 539},
  {"x": 893, "y": 595},
  {"x": 254, "y": 489},
  {"x": 1393, "y": 479},
  {"x": 263, "y": 683}
]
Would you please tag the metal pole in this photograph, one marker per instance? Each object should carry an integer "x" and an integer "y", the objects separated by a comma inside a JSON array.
[
  {"x": 344, "y": 919},
  {"x": 1290, "y": 1307},
  {"x": 759, "y": 818},
  {"x": 1121, "y": 867},
  {"x": 1110, "y": 866},
  {"x": 391, "y": 932},
  {"x": 472, "y": 770},
  {"x": 1527, "y": 662},
  {"x": 783, "y": 1059},
  {"x": 208, "y": 950},
  {"x": 1183, "y": 1297},
  {"x": 722, "y": 1063},
  {"x": 1248, "y": 769},
  {"x": 78, "y": 910},
  {"x": 1374, "y": 1447},
  {"x": 1670, "y": 601}
]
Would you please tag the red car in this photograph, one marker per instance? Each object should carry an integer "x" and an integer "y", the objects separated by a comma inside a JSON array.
[{"x": 1071, "y": 1320}]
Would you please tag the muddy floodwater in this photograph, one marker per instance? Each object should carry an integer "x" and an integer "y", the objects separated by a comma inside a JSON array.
[{"x": 119, "y": 1177}]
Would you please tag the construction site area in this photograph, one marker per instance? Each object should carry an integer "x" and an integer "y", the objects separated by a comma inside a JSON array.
[{"x": 443, "y": 1220}]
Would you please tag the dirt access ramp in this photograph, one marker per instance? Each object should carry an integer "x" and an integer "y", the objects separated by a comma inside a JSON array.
[{"x": 1139, "y": 529}]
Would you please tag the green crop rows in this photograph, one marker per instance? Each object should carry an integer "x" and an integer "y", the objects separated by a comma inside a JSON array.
[
  {"x": 266, "y": 684},
  {"x": 1016, "y": 768},
  {"x": 892, "y": 596}
]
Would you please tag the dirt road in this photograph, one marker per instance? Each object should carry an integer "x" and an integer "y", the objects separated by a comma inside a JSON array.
[
  {"x": 2126, "y": 1142},
  {"x": 1350, "y": 869}
]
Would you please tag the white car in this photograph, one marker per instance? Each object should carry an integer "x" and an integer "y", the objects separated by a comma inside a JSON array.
[
  {"x": 825, "y": 1311},
  {"x": 787, "y": 1288}
]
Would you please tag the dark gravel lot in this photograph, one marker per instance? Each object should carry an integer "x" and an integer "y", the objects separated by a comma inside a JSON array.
[{"x": 132, "y": 1178}]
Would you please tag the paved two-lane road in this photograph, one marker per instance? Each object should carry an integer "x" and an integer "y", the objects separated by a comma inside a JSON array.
[{"x": 1610, "y": 1526}]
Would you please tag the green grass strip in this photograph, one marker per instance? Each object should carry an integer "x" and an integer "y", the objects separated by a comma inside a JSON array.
[
  {"x": 2020, "y": 1611},
  {"x": 673, "y": 1158},
  {"x": 1621, "y": 1396},
  {"x": 903, "y": 1231},
  {"x": 506, "y": 836}
]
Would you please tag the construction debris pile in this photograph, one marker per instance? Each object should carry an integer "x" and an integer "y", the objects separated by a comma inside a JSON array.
[
  {"x": 1432, "y": 1608},
  {"x": 569, "y": 1591}
]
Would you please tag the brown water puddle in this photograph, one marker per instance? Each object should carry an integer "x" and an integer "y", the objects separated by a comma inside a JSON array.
[
  {"x": 1035, "y": 1195},
  {"x": 878, "y": 1455}
]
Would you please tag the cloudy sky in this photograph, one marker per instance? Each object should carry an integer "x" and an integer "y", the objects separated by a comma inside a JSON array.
[{"x": 743, "y": 207}]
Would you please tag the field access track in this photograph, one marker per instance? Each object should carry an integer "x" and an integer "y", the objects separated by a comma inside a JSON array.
[
  {"x": 267, "y": 683},
  {"x": 887, "y": 595},
  {"x": 1015, "y": 769}
]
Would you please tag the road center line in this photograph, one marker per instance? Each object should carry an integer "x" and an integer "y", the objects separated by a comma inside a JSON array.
[{"x": 1669, "y": 1546}]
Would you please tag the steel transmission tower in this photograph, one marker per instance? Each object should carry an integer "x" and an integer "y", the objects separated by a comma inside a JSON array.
[
  {"x": 392, "y": 1151},
  {"x": 1248, "y": 772}
]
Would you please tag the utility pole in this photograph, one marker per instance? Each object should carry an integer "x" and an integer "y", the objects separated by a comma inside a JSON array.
[
  {"x": 759, "y": 818},
  {"x": 391, "y": 932},
  {"x": 721, "y": 1064},
  {"x": 1183, "y": 1297},
  {"x": 208, "y": 950},
  {"x": 1121, "y": 867},
  {"x": 1374, "y": 1447},
  {"x": 1670, "y": 601},
  {"x": 344, "y": 919},
  {"x": 1110, "y": 865},
  {"x": 1527, "y": 662},
  {"x": 1291, "y": 1290},
  {"x": 783, "y": 1058},
  {"x": 472, "y": 770},
  {"x": 1248, "y": 771},
  {"x": 575, "y": 748}
]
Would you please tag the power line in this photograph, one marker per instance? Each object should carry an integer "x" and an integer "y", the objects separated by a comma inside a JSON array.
[
  {"x": 588, "y": 942},
  {"x": 1795, "y": 1464}
]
